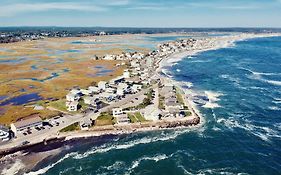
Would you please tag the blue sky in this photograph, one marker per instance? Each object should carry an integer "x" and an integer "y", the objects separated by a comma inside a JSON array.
[{"x": 141, "y": 13}]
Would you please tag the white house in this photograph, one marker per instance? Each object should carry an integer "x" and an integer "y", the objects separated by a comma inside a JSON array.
[
  {"x": 72, "y": 97},
  {"x": 126, "y": 74},
  {"x": 86, "y": 91},
  {"x": 31, "y": 121},
  {"x": 136, "y": 87},
  {"x": 109, "y": 57},
  {"x": 4, "y": 133},
  {"x": 75, "y": 91},
  {"x": 94, "y": 89},
  {"x": 110, "y": 90},
  {"x": 72, "y": 105},
  {"x": 117, "y": 111},
  {"x": 102, "y": 85}
]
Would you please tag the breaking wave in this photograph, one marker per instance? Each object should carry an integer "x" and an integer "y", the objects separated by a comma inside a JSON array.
[{"x": 264, "y": 133}]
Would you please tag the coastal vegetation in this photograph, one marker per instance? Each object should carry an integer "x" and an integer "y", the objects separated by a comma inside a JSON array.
[
  {"x": 73, "y": 127},
  {"x": 105, "y": 118},
  {"x": 136, "y": 117}
]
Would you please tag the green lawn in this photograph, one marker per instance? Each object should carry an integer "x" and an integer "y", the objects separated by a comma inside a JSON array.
[
  {"x": 179, "y": 96},
  {"x": 187, "y": 113},
  {"x": 139, "y": 117},
  {"x": 73, "y": 127},
  {"x": 105, "y": 118},
  {"x": 161, "y": 102},
  {"x": 132, "y": 118},
  {"x": 59, "y": 104}
]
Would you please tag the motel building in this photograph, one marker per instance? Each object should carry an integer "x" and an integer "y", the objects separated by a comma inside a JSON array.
[{"x": 25, "y": 124}]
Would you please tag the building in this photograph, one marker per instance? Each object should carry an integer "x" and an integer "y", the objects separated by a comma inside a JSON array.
[
  {"x": 85, "y": 124},
  {"x": 94, "y": 89},
  {"x": 4, "y": 133},
  {"x": 72, "y": 97},
  {"x": 72, "y": 105},
  {"x": 30, "y": 122},
  {"x": 117, "y": 111},
  {"x": 136, "y": 87},
  {"x": 121, "y": 118},
  {"x": 86, "y": 91},
  {"x": 102, "y": 85},
  {"x": 126, "y": 74}
]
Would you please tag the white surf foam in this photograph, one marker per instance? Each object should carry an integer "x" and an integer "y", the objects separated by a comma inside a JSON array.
[
  {"x": 264, "y": 133},
  {"x": 178, "y": 70},
  {"x": 145, "y": 140}
]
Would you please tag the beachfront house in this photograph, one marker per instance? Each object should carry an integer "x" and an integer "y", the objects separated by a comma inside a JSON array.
[
  {"x": 136, "y": 87},
  {"x": 94, "y": 89},
  {"x": 109, "y": 57},
  {"x": 86, "y": 91},
  {"x": 117, "y": 111},
  {"x": 126, "y": 74},
  {"x": 28, "y": 123},
  {"x": 121, "y": 118},
  {"x": 4, "y": 133},
  {"x": 72, "y": 97},
  {"x": 116, "y": 80},
  {"x": 102, "y": 85},
  {"x": 72, "y": 105},
  {"x": 85, "y": 124}
]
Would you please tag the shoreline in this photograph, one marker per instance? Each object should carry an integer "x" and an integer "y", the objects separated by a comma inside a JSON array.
[{"x": 216, "y": 43}]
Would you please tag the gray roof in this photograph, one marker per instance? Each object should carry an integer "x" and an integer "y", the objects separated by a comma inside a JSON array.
[{"x": 27, "y": 122}]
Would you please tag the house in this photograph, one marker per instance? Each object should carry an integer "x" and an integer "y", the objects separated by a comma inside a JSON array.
[
  {"x": 85, "y": 124},
  {"x": 31, "y": 121},
  {"x": 109, "y": 57},
  {"x": 4, "y": 133},
  {"x": 108, "y": 96},
  {"x": 102, "y": 85},
  {"x": 94, "y": 89},
  {"x": 72, "y": 97},
  {"x": 136, "y": 87},
  {"x": 116, "y": 80},
  {"x": 72, "y": 105},
  {"x": 121, "y": 118},
  {"x": 86, "y": 91},
  {"x": 126, "y": 74},
  {"x": 117, "y": 111},
  {"x": 75, "y": 91},
  {"x": 110, "y": 90}
]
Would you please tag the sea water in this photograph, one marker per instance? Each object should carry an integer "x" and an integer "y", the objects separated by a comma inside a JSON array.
[{"x": 241, "y": 135}]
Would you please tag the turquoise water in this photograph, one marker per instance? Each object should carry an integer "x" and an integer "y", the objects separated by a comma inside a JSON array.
[{"x": 243, "y": 135}]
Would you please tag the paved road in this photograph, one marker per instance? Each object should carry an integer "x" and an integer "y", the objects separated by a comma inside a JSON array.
[{"x": 66, "y": 120}]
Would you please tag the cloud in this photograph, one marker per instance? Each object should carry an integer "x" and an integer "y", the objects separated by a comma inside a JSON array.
[{"x": 14, "y": 9}]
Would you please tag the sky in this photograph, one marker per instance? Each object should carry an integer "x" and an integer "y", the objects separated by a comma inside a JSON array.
[{"x": 141, "y": 13}]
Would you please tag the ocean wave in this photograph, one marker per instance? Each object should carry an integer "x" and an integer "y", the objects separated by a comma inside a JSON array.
[
  {"x": 126, "y": 145},
  {"x": 274, "y": 108},
  {"x": 155, "y": 158},
  {"x": 178, "y": 70},
  {"x": 167, "y": 73},
  {"x": 260, "y": 73},
  {"x": 258, "y": 76},
  {"x": 45, "y": 169},
  {"x": 213, "y": 96},
  {"x": 264, "y": 133},
  {"x": 211, "y": 105}
]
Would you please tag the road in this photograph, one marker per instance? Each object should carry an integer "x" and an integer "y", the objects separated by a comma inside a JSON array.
[{"x": 64, "y": 121}]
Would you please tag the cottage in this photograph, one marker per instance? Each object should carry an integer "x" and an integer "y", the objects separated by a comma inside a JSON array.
[
  {"x": 4, "y": 133},
  {"x": 102, "y": 85},
  {"x": 85, "y": 124},
  {"x": 72, "y": 97},
  {"x": 86, "y": 91},
  {"x": 121, "y": 118},
  {"x": 94, "y": 89},
  {"x": 126, "y": 74},
  {"x": 117, "y": 111},
  {"x": 31, "y": 121},
  {"x": 136, "y": 87},
  {"x": 116, "y": 80},
  {"x": 72, "y": 105}
]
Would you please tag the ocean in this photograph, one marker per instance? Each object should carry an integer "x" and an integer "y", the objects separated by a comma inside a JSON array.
[{"x": 239, "y": 89}]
